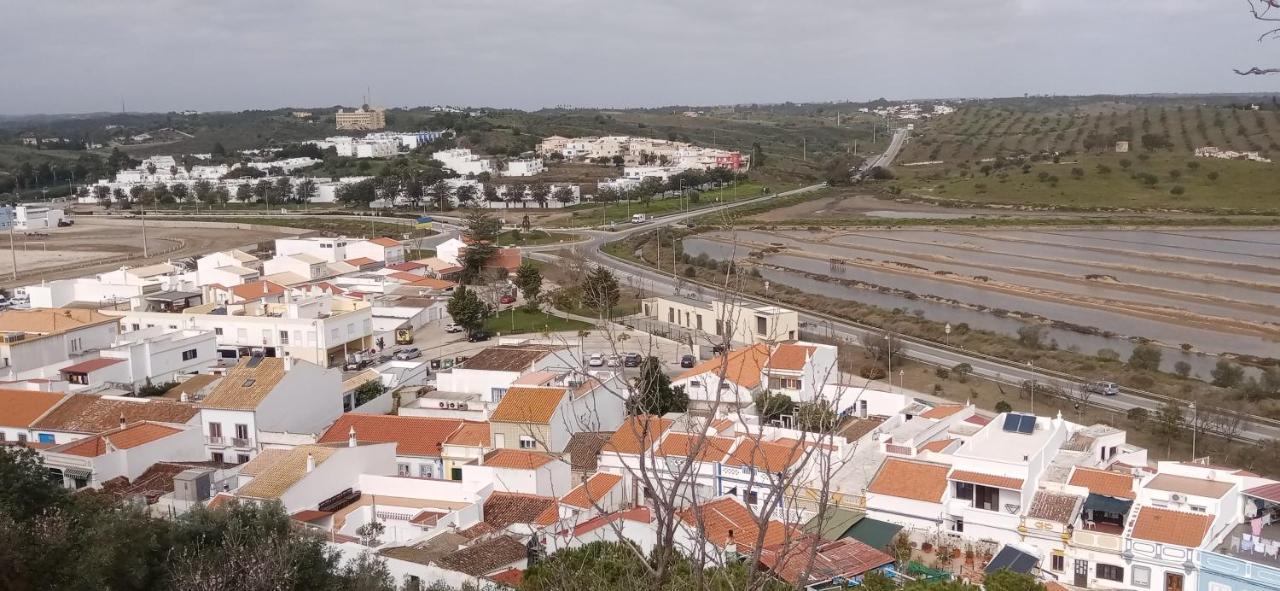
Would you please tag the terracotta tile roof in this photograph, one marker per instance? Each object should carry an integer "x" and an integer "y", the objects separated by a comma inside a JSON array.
[
  {"x": 584, "y": 448},
  {"x": 413, "y": 436},
  {"x": 405, "y": 277},
  {"x": 637, "y": 433},
  {"x": 502, "y": 509},
  {"x": 360, "y": 262},
  {"x": 427, "y": 518},
  {"x": 938, "y": 446},
  {"x": 265, "y": 459},
  {"x": 477, "y": 530},
  {"x": 845, "y": 558},
  {"x": 125, "y": 438},
  {"x": 854, "y": 428},
  {"x": 765, "y": 455},
  {"x": 1199, "y": 487},
  {"x": 528, "y": 404},
  {"x": 220, "y": 500},
  {"x": 1269, "y": 492},
  {"x": 191, "y": 385},
  {"x": 384, "y": 241},
  {"x": 790, "y": 357},
  {"x": 90, "y": 365},
  {"x": 516, "y": 459},
  {"x": 407, "y": 266},
  {"x": 1171, "y": 527},
  {"x": 727, "y": 515},
  {"x": 741, "y": 366},
  {"x": 1056, "y": 507},
  {"x": 943, "y": 411},
  {"x": 511, "y": 577},
  {"x": 245, "y": 387},
  {"x": 638, "y": 514},
  {"x": 721, "y": 425},
  {"x": 21, "y": 408},
  {"x": 256, "y": 290},
  {"x": 921, "y": 481},
  {"x": 593, "y": 491},
  {"x": 309, "y": 515},
  {"x": 709, "y": 449},
  {"x": 987, "y": 479},
  {"x": 1111, "y": 484},
  {"x": 432, "y": 283},
  {"x": 282, "y": 475},
  {"x": 154, "y": 482},
  {"x": 486, "y": 557},
  {"x": 515, "y": 358},
  {"x": 89, "y": 413},
  {"x": 43, "y": 321},
  {"x": 979, "y": 420},
  {"x": 470, "y": 434}
]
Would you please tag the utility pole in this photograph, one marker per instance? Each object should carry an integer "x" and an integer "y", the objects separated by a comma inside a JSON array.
[
  {"x": 144, "y": 233},
  {"x": 804, "y": 142},
  {"x": 13, "y": 251}
]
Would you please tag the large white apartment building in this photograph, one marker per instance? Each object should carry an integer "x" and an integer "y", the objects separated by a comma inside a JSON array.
[
  {"x": 464, "y": 162},
  {"x": 308, "y": 326}
]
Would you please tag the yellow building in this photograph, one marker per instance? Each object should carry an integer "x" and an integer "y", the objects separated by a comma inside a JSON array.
[{"x": 364, "y": 118}]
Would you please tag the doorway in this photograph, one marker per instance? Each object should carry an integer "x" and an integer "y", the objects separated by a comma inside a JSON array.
[
  {"x": 1082, "y": 573},
  {"x": 1172, "y": 582}
]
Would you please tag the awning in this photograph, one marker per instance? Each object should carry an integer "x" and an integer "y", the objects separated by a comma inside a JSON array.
[
  {"x": 835, "y": 522},
  {"x": 1013, "y": 559},
  {"x": 1105, "y": 504},
  {"x": 873, "y": 532}
]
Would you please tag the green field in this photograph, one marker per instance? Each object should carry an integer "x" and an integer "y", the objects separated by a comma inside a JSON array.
[
  {"x": 327, "y": 225},
  {"x": 517, "y": 320},
  {"x": 597, "y": 215},
  {"x": 1154, "y": 181}
]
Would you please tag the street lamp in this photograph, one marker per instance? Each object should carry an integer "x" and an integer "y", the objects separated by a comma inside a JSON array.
[
  {"x": 1195, "y": 426},
  {"x": 947, "y": 329}
]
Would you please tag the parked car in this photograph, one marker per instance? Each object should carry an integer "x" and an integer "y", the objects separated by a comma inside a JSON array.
[
  {"x": 479, "y": 336},
  {"x": 614, "y": 361},
  {"x": 1103, "y": 388},
  {"x": 452, "y": 328},
  {"x": 687, "y": 361},
  {"x": 356, "y": 364},
  {"x": 595, "y": 360},
  {"x": 507, "y": 299},
  {"x": 408, "y": 353},
  {"x": 632, "y": 360}
]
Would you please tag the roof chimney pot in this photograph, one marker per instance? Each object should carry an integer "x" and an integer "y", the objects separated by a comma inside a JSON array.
[{"x": 311, "y": 462}]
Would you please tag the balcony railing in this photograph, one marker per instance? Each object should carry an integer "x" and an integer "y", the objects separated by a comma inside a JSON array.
[
  {"x": 1098, "y": 540},
  {"x": 243, "y": 442},
  {"x": 217, "y": 440}
]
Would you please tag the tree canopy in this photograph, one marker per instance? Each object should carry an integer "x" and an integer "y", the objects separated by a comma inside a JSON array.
[{"x": 652, "y": 393}]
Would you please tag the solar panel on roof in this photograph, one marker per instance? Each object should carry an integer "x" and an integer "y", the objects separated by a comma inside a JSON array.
[
  {"x": 1011, "y": 422},
  {"x": 1027, "y": 424}
]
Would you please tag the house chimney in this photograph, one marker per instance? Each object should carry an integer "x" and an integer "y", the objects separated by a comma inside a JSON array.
[
  {"x": 183, "y": 397},
  {"x": 122, "y": 421},
  {"x": 288, "y": 362},
  {"x": 351, "y": 436},
  {"x": 264, "y": 287},
  {"x": 311, "y": 462}
]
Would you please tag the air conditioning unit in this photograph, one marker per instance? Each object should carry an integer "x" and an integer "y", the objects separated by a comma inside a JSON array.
[
  {"x": 453, "y": 405},
  {"x": 442, "y": 404},
  {"x": 462, "y": 406},
  {"x": 1177, "y": 498}
]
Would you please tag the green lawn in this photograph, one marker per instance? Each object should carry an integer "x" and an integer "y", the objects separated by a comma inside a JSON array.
[
  {"x": 525, "y": 321},
  {"x": 597, "y": 215},
  {"x": 533, "y": 238},
  {"x": 1182, "y": 182},
  {"x": 342, "y": 226}
]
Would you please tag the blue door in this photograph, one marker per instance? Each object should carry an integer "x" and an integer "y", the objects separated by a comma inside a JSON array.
[{"x": 45, "y": 438}]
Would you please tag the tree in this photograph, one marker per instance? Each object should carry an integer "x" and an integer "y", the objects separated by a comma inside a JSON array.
[
  {"x": 244, "y": 193},
  {"x": 467, "y": 310},
  {"x": 262, "y": 190},
  {"x": 1007, "y": 580},
  {"x": 1138, "y": 416},
  {"x": 1226, "y": 374},
  {"x": 218, "y": 152},
  {"x": 360, "y": 194},
  {"x": 482, "y": 232},
  {"x": 815, "y": 417},
  {"x": 369, "y": 391},
  {"x": 540, "y": 192},
  {"x": 885, "y": 349},
  {"x": 770, "y": 406},
  {"x": 305, "y": 190},
  {"x": 1003, "y": 407},
  {"x": 529, "y": 281},
  {"x": 466, "y": 195},
  {"x": 1145, "y": 357},
  {"x": 600, "y": 291},
  {"x": 103, "y": 194},
  {"x": 1182, "y": 368},
  {"x": 1031, "y": 336},
  {"x": 441, "y": 194},
  {"x": 1168, "y": 424},
  {"x": 25, "y": 487},
  {"x": 283, "y": 189},
  {"x": 564, "y": 195},
  {"x": 652, "y": 394}
]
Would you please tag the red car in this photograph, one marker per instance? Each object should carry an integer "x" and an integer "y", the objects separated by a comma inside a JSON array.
[{"x": 508, "y": 299}]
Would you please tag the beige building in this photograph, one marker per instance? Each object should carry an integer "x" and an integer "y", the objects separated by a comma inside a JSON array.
[
  {"x": 363, "y": 119},
  {"x": 744, "y": 322}
]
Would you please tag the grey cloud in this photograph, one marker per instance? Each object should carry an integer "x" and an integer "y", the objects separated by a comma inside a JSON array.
[{"x": 233, "y": 54}]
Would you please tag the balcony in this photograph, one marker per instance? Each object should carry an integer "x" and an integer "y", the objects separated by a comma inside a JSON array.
[
  {"x": 216, "y": 441},
  {"x": 1098, "y": 540}
]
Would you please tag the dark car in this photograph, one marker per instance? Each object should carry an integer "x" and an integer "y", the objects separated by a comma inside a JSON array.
[
  {"x": 507, "y": 299},
  {"x": 687, "y": 361},
  {"x": 478, "y": 336},
  {"x": 632, "y": 360}
]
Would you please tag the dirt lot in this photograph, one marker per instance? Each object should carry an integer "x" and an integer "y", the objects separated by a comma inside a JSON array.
[{"x": 71, "y": 252}]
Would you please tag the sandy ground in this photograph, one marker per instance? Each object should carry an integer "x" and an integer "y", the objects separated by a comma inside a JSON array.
[{"x": 47, "y": 258}]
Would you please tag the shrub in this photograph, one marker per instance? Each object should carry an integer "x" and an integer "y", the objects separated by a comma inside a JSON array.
[
  {"x": 1182, "y": 368},
  {"x": 1108, "y": 354},
  {"x": 872, "y": 372},
  {"x": 1177, "y": 190},
  {"x": 1003, "y": 406},
  {"x": 942, "y": 373},
  {"x": 1138, "y": 416},
  {"x": 1145, "y": 357}
]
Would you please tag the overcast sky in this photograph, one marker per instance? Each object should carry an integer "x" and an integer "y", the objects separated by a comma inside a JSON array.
[{"x": 159, "y": 55}]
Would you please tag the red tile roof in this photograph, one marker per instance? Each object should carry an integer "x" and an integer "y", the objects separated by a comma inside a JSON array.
[
  {"x": 725, "y": 517},
  {"x": 920, "y": 481},
  {"x": 528, "y": 404},
  {"x": 977, "y": 420},
  {"x": 593, "y": 491},
  {"x": 765, "y": 455},
  {"x": 405, "y": 277},
  {"x": 384, "y": 241},
  {"x": 257, "y": 290},
  {"x": 90, "y": 413},
  {"x": 943, "y": 411},
  {"x": 987, "y": 479},
  {"x": 505, "y": 508},
  {"x": 360, "y": 261},
  {"x": 126, "y": 438},
  {"x": 511, "y": 577},
  {"x": 709, "y": 449},
  {"x": 471, "y": 434},
  {"x": 406, "y": 266},
  {"x": 790, "y": 357},
  {"x": 1103, "y": 482},
  {"x": 21, "y": 408},
  {"x": 637, "y": 434},
  {"x": 741, "y": 366},
  {"x": 639, "y": 514},
  {"x": 413, "y": 436},
  {"x": 90, "y": 365},
  {"x": 1171, "y": 527},
  {"x": 516, "y": 459},
  {"x": 309, "y": 515},
  {"x": 937, "y": 446},
  {"x": 845, "y": 558}
]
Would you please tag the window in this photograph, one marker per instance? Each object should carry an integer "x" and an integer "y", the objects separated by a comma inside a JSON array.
[
  {"x": 695, "y": 384},
  {"x": 1142, "y": 576},
  {"x": 189, "y": 354},
  {"x": 134, "y": 326},
  {"x": 527, "y": 442},
  {"x": 964, "y": 491},
  {"x": 402, "y": 469},
  {"x": 75, "y": 345},
  {"x": 762, "y": 325},
  {"x": 242, "y": 458},
  {"x": 1057, "y": 562},
  {"x": 215, "y": 429},
  {"x": 671, "y": 315},
  {"x": 1110, "y": 572},
  {"x": 751, "y": 497},
  {"x": 351, "y": 329},
  {"x": 719, "y": 327},
  {"x": 22, "y": 438},
  {"x": 284, "y": 337},
  {"x": 217, "y": 330},
  {"x": 333, "y": 333},
  {"x": 862, "y": 408},
  {"x": 242, "y": 334},
  {"x": 986, "y": 497},
  {"x": 699, "y": 321},
  {"x": 216, "y": 456},
  {"x": 496, "y": 394},
  {"x": 424, "y": 471},
  {"x": 44, "y": 437},
  {"x": 266, "y": 336},
  {"x": 242, "y": 431},
  {"x": 958, "y": 525},
  {"x": 455, "y": 474},
  {"x": 2, "y": 437}
]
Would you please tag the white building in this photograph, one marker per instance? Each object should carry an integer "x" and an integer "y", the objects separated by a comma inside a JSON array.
[
  {"x": 384, "y": 250},
  {"x": 147, "y": 356},
  {"x": 744, "y": 322},
  {"x": 463, "y": 162},
  {"x": 35, "y": 343},
  {"x": 227, "y": 268},
  {"x": 307, "y": 266},
  {"x": 127, "y": 452},
  {"x": 529, "y": 167},
  {"x": 36, "y": 216},
  {"x": 268, "y": 402}
]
